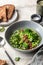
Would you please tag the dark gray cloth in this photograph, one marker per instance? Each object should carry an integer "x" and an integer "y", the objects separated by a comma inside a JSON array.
[{"x": 38, "y": 58}]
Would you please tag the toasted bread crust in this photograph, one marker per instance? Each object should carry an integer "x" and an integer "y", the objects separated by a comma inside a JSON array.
[
  {"x": 3, "y": 16},
  {"x": 10, "y": 10},
  {"x": 3, "y": 62}
]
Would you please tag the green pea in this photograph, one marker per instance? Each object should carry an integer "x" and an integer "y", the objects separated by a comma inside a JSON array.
[{"x": 17, "y": 58}]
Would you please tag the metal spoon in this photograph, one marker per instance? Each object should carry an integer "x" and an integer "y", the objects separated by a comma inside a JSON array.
[{"x": 2, "y": 43}]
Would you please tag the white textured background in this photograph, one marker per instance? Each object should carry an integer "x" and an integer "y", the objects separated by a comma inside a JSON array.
[{"x": 19, "y": 2}]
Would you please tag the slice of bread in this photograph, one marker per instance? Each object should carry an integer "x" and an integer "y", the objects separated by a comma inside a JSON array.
[
  {"x": 3, "y": 62},
  {"x": 3, "y": 15},
  {"x": 6, "y": 12},
  {"x": 10, "y": 10}
]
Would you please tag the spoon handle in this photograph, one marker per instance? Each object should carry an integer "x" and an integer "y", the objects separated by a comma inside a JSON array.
[{"x": 9, "y": 57}]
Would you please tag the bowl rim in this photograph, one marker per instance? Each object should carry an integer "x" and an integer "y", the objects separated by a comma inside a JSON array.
[{"x": 21, "y": 49}]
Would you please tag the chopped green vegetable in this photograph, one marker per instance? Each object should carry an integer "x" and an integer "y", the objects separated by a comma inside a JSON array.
[
  {"x": 24, "y": 39},
  {"x": 17, "y": 58},
  {"x": 25, "y": 46},
  {"x": 2, "y": 29}
]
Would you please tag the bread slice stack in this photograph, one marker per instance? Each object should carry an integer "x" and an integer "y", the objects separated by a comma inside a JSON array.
[{"x": 6, "y": 12}]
